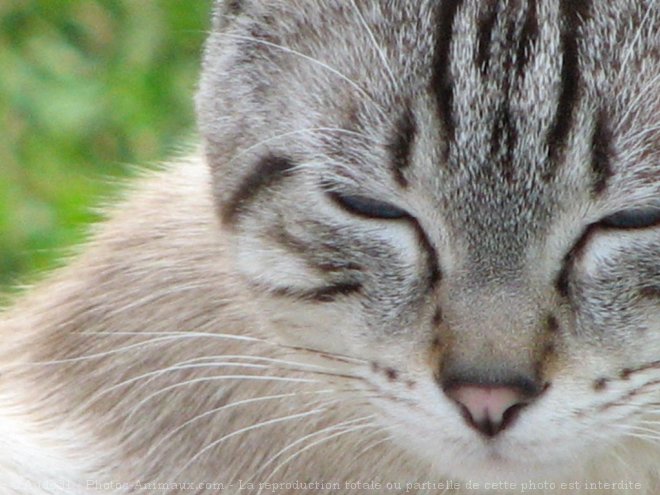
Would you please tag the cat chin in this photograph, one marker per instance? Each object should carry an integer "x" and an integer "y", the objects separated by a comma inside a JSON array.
[
  {"x": 521, "y": 475},
  {"x": 502, "y": 472},
  {"x": 488, "y": 468},
  {"x": 493, "y": 465}
]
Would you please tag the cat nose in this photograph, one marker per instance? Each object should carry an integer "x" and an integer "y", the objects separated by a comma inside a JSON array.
[{"x": 489, "y": 409}]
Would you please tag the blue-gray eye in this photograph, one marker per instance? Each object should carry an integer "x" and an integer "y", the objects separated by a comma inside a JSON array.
[
  {"x": 368, "y": 207},
  {"x": 640, "y": 218}
]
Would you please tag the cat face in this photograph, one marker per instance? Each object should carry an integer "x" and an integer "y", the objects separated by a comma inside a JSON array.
[{"x": 464, "y": 197}]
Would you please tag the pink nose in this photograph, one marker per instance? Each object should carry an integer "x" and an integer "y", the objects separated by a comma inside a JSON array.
[{"x": 488, "y": 409}]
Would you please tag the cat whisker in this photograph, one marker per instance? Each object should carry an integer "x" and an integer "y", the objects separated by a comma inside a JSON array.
[
  {"x": 219, "y": 364},
  {"x": 186, "y": 335},
  {"x": 207, "y": 379},
  {"x": 644, "y": 403},
  {"x": 312, "y": 445},
  {"x": 310, "y": 130},
  {"x": 148, "y": 300},
  {"x": 649, "y": 422},
  {"x": 341, "y": 425},
  {"x": 315, "y": 61},
  {"x": 273, "y": 364},
  {"x": 246, "y": 429},
  {"x": 297, "y": 365},
  {"x": 328, "y": 355},
  {"x": 645, "y": 437},
  {"x": 631, "y": 53},
  {"x": 176, "y": 367},
  {"x": 640, "y": 432},
  {"x": 633, "y": 105},
  {"x": 613, "y": 449},
  {"x": 638, "y": 428},
  {"x": 160, "y": 337},
  {"x": 232, "y": 405},
  {"x": 378, "y": 48},
  {"x": 375, "y": 444},
  {"x": 111, "y": 352}
]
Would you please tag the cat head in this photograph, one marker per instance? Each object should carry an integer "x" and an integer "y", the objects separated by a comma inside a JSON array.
[{"x": 464, "y": 195}]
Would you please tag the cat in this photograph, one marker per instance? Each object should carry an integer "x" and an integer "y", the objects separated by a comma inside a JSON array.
[{"x": 417, "y": 252}]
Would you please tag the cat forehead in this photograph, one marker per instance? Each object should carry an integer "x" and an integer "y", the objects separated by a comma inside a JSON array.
[
  {"x": 497, "y": 99},
  {"x": 616, "y": 22},
  {"x": 493, "y": 68}
]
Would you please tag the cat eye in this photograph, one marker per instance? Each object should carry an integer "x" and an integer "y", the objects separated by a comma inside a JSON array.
[
  {"x": 640, "y": 218},
  {"x": 368, "y": 207}
]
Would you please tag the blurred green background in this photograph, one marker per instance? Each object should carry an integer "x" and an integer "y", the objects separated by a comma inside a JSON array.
[{"x": 88, "y": 88}]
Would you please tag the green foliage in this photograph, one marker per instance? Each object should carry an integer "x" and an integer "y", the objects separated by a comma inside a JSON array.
[{"x": 87, "y": 88}]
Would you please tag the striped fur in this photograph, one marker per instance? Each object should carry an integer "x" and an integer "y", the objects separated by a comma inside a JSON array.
[{"x": 234, "y": 320}]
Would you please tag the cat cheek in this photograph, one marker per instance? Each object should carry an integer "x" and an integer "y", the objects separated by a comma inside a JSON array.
[
  {"x": 631, "y": 257},
  {"x": 269, "y": 265},
  {"x": 601, "y": 255}
]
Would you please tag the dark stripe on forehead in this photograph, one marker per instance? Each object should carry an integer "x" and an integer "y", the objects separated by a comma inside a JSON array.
[
  {"x": 503, "y": 141},
  {"x": 505, "y": 133},
  {"x": 401, "y": 144},
  {"x": 270, "y": 170},
  {"x": 530, "y": 32},
  {"x": 601, "y": 151},
  {"x": 573, "y": 13},
  {"x": 441, "y": 83},
  {"x": 485, "y": 35}
]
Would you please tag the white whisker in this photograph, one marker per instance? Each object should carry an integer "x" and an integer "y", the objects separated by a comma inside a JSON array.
[
  {"x": 323, "y": 65},
  {"x": 176, "y": 367},
  {"x": 212, "y": 379},
  {"x": 633, "y": 105},
  {"x": 334, "y": 427},
  {"x": 312, "y": 445},
  {"x": 245, "y": 430},
  {"x": 374, "y": 42},
  {"x": 232, "y": 405},
  {"x": 633, "y": 47},
  {"x": 103, "y": 354},
  {"x": 310, "y": 130},
  {"x": 374, "y": 444},
  {"x": 187, "y": 335},
  {"x": 298, "y": 365}
]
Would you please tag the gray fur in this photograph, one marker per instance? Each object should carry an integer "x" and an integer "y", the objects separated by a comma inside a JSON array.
[
  {"x": 237, "y": 280},
  {"x": 552, "y": 126}
]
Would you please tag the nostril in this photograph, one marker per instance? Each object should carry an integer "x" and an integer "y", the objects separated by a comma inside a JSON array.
[
  {"x": 511, "y": 414},
  {"x": 488, "y": 409}
]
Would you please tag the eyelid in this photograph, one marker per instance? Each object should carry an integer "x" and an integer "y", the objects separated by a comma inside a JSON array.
[
  {"x": 633, "y": 219},
  {"x": 367, "y": 207}
]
